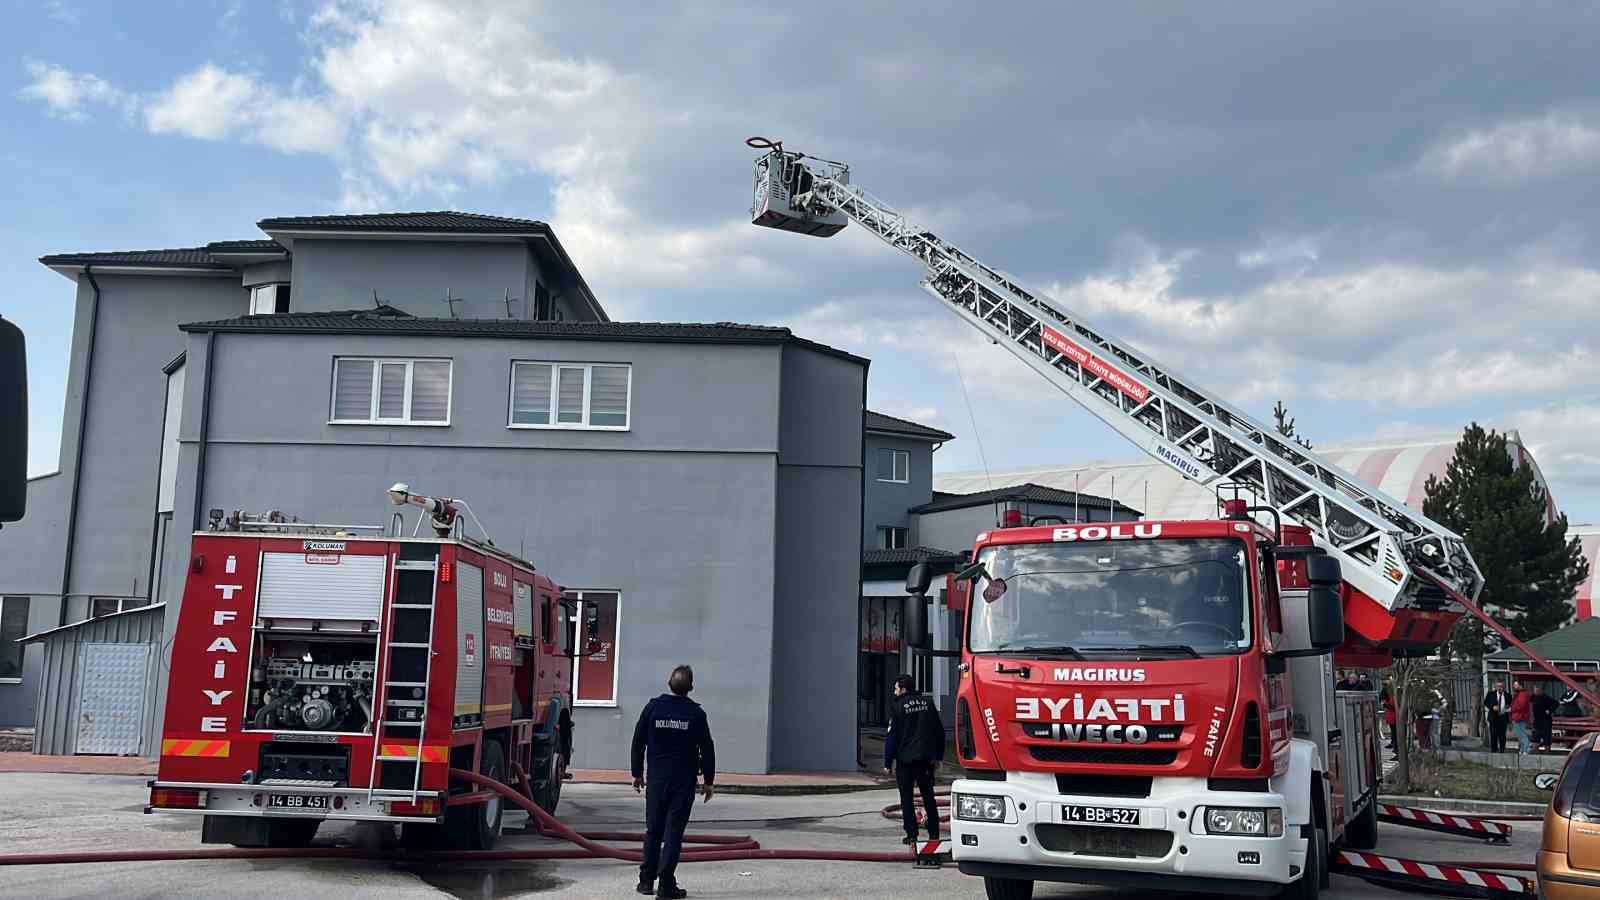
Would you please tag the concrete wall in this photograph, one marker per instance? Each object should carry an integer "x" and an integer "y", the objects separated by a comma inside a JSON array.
[
  {"x": 31, "y": 552},
  {"x": 681, "y": 513},
  {"x": 411, "y": 275},
  {"x": 887, "y": 502},
  {"x": 818, "y": 576},
  {"x": 136, "y": 336}
]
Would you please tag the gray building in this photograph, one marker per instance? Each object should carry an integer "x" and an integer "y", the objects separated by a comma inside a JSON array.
[{"x": 702, "y": 482}]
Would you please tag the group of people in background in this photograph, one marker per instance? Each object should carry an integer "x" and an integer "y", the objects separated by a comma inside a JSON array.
[{"x": 1531, "y": 715}]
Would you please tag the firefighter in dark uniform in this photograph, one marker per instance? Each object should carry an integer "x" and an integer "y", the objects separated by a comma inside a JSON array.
[
  {"x": 914, "y": 749},
  {"x": 673, "y": 733}
]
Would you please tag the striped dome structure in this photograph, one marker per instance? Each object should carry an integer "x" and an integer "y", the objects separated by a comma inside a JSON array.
[
  {"x": 1589, "y": 536},
  {"x": 1398, "y": 468}
]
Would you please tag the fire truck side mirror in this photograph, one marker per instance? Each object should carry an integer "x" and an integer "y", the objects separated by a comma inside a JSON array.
[
  {"x": 914, "y": 622},
  {"x": 919, "y": 579},
  {"x": 13, "y": 423},
  {"x": 1314, "y": 620}
]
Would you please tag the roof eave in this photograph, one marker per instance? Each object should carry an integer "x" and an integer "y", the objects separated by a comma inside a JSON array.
[{"x": 71, "y": 270}]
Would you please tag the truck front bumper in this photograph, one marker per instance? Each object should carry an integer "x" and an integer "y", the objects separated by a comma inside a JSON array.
[{"x": 1170, "y": 851}]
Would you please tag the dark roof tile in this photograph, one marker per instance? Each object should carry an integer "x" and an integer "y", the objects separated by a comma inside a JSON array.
[
  {"x": 390, "y": 321},
  {"x": 876, "y": 421},
  {"x": 261, "y": 246},
  {"x": 439, "y": 220},
  {"x": 180, "y": 257},
  {"x": 1024, "y": 493},
  {"x": 907, "y": 556}
]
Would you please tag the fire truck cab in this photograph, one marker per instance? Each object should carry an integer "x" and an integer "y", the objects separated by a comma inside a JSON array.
[
  {"x": 322, "y": 674},
  {"x": 1150, "y": 705}
]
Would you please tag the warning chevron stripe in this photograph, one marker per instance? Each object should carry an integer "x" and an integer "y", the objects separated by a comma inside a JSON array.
[
  {"x": 1393, "y": 869},
  {"x": 213, "y": 749},
  {"x": 1405, "y": 814},
  {"x": 429, "y": 754}
]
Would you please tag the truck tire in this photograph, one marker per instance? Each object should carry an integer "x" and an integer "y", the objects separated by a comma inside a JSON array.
[
  {"x": 1311, "y": 880},
  {"x": 546, "y": 776},
  {"x": 1007, "y": 889},
  {"x": 1362, "y": 832},
  {"x": 477, "y": 827}
]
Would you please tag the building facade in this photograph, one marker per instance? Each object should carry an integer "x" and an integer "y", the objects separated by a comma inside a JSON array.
[{"x": 700, "y": 484}]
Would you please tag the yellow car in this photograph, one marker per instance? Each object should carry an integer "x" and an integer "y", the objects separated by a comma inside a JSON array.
[{"x": 1569, "y": 854}]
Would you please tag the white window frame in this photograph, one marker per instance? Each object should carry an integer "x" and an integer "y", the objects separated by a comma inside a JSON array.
[
  {"x": 123, "y": 604},
  {"x": 257, "y": 292},
  {"x": 555, "y": 395},
  {"x": 26, "y": 602},
  {"x": 887, "y": 531},
  {"x": 894, "y": 465},
  {"x": 377, "y": 384},
  {"x": 576, "y": 595}
]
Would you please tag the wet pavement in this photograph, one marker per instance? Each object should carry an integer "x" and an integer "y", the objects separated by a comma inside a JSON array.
[{"x": 51, "y": 813}]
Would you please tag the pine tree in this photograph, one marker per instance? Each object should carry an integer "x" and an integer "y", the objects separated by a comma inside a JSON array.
[{"x": 1531, "y": 569}]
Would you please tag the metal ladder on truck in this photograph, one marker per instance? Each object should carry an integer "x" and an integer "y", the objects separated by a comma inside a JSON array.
[
  {"x": 1394, "y": 555},
  {"x": 401, "y": 727}
]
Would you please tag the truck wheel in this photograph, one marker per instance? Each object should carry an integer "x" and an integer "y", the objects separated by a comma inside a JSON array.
[
  {"x": 1007, "y": 889},
  {"x": 546, "y": 777},
  {"x": 477, "y": 827},
  {"x": 1310, "y": 883},
  {"x": 1362, "y": 832}
]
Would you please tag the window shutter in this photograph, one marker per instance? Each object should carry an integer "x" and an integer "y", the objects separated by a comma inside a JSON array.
[
  {"x": 430, "y": 391},
  {"x": 608, "y": 396},
  {"x": 530, "y": 394},
  {"x": 391, "y": 390},
  {"x": 352, "y": 390},
  {"x": 570, "y": 402}
]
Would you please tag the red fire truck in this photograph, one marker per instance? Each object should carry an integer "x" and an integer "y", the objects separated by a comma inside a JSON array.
[
  {"x": 336, "y": 673},
  {"x": 1150, "y": 704}
]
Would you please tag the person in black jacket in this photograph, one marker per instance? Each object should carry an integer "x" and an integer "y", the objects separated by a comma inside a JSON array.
[
  {"x": 1498, "y": 705},
  {"x": 674, "y": 734},
  {"x": 913, "y": 750}
]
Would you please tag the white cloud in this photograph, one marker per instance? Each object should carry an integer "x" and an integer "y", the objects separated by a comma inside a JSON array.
[
  {"x": 1556, "y": 143},
  {"x": 70, "y": 95},
  {"x": 211, "y": 103},
  {"x": 1562, "y": 438}
]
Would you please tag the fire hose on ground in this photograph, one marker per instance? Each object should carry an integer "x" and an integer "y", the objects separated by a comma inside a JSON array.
[{"x": 715, "y": 847}]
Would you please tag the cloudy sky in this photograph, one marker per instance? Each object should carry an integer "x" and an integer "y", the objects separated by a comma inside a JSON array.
[{"x": 1385, "y": 216}]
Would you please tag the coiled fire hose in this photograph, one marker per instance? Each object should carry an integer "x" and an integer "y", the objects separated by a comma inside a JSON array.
[{"x": 722, "y": 847}]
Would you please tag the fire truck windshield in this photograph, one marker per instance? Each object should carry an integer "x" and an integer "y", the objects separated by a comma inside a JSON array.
[{"x": 1113, "y": 598}]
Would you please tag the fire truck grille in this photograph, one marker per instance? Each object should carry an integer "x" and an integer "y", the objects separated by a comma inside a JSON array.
[
  {"x": 1104, "y": 756},
  {"x": 1125, "y": 843}
]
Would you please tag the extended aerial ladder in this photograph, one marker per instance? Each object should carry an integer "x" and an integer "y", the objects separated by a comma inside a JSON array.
[{"x": 1404, "y": 573}]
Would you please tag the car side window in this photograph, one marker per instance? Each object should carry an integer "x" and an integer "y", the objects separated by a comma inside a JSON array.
[{"x": 1579, "y": 783}]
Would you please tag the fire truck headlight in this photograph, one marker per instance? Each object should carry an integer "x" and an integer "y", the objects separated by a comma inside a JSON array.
[
  {"x": 1247, "y": 822},
  {"x": 980, "y": 808}
]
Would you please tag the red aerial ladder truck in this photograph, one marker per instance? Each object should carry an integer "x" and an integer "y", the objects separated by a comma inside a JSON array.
[
  {"x": 1150, "y": 704},
  {"x": 337, "y": 673}
]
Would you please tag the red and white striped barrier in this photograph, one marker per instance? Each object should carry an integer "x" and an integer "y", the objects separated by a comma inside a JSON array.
[
  {"x": 931, "y": 854},
  {"x": 1471, "y": 826},
  {"x": 1449, "y": 880}
]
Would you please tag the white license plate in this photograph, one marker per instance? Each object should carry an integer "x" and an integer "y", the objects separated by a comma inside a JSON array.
[
  {"x": 1100, "y": 815},
  {"x": 297, "y": 801}
]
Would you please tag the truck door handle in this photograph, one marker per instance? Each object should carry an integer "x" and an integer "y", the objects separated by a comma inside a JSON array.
[{"x": 1019, "y": 671}]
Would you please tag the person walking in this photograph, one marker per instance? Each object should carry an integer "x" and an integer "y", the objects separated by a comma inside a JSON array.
[
  {"x": 1391, "y": 719},
  {"x": 913, "y": 750},
  {"x": 671, "y": 744},
  {"x": 1522, "y": 717},
  {"x": 1498, "y": 704},
  {"x": 1544, "y": 718}
]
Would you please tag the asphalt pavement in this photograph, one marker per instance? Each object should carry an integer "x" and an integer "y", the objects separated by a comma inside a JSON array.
[{"x": 53, "y": 813}]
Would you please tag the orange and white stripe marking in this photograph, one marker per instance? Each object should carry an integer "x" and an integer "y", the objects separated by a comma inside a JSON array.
[{"x": 213, "y": 749}]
